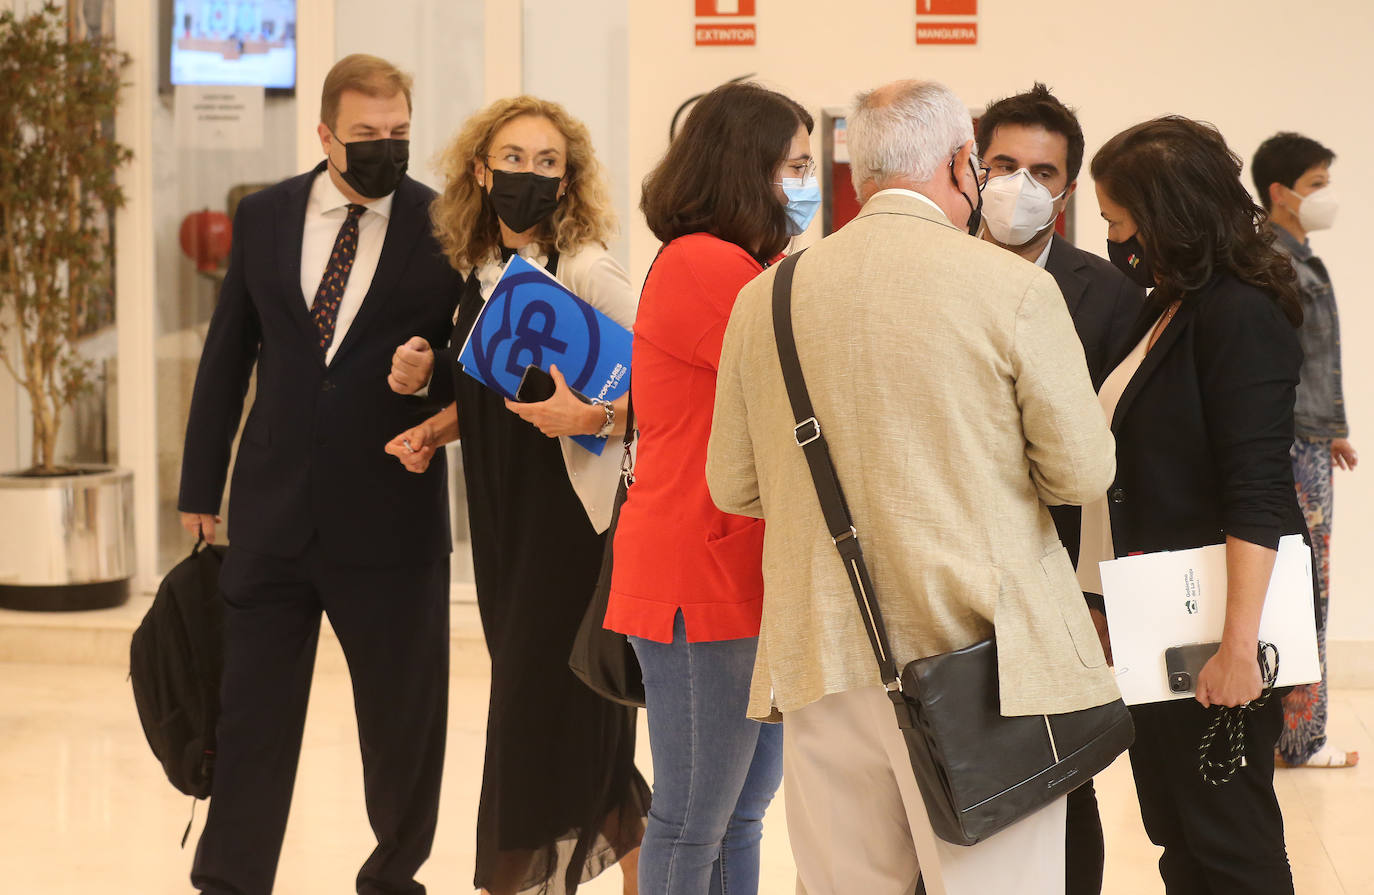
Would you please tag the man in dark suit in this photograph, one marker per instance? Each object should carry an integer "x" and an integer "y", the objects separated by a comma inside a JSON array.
[
  {"x": 1032, "y": 146},
  {"x": 329, "y": 271}
]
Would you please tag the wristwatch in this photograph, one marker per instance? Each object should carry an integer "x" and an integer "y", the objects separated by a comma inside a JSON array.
[{"x": 608, "y": 426}]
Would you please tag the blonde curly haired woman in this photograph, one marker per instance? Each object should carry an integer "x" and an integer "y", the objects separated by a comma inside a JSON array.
[{"x": 561, "y": 799}]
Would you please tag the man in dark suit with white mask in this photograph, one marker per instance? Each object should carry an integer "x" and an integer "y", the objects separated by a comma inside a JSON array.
[{"x": 1032, "y": 145}]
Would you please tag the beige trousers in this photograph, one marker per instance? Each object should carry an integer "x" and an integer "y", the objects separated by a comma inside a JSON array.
[{"x": 857, "y": 823}]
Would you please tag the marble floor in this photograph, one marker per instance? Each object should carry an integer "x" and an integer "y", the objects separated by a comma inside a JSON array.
[{"x": 84, "y": 807}]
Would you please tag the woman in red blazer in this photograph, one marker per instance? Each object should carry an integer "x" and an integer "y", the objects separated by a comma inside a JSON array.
[{"x": 731, "y": 191}]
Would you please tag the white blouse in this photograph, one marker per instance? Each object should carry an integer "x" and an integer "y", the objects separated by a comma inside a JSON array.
[
  {"x": 595, "y": 277},
  {"x": 1096, "y": 544}
]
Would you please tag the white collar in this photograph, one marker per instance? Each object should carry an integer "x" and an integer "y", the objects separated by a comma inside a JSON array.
[
  {"x": 904, "y": 192},
  {"x": 1045, "y": 255},
  {"x": 325, "y": 197},
  {"x": 490, "y": 272}
]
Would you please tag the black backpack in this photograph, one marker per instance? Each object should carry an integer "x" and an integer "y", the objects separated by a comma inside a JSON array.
[{"x": 174, "y": 663}]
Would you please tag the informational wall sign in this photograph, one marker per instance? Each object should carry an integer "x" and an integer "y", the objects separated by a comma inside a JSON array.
[
  {"x": 710, "y": 9},
  {"x": 963, "y": 30},
  {"x": 744, "y": 35},
  {"x": 729, "y": 33},
  {"x": 946, "y": 7},
  {"x": 218, "y": 117},
  {"x": 946, "y": 32}
]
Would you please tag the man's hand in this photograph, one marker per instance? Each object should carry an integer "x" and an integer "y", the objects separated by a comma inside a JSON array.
[
  {"x": 1230, "y": 678},
  {"x": 412, "y": 364},
  {"x": 200, "y": 524},
  {"x": 563, "y": 414},
  {"x": 1343, "y": 454},
  {"x": 414, "y": 447}
]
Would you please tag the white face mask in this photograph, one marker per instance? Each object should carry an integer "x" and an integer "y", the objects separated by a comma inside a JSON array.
[
  {"x": 1317, "y": 210},
  {"x": 1017, "y": 207}
]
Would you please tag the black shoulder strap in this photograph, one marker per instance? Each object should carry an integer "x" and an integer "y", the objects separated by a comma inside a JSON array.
[
  {"x": 807, "y": 433},
  {"x": 627, "y": 470},
  {"x": 626, "y": 465}
]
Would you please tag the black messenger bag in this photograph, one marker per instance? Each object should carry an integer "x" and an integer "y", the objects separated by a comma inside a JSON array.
[{"x": 978, "y": 772}]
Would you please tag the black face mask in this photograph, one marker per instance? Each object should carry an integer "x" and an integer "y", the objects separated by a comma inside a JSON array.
[
  {"x": 375, "y": 167},
  {"x": 523, "y": 199},
  {"x": 975, "y": 217},
  {"x": 1129, "y": 258}
]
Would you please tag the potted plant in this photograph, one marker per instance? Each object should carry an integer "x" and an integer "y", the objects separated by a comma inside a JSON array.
[{"x": 66, "y": 531}]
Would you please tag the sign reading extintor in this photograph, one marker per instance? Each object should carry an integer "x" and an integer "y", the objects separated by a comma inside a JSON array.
[{"x": 725, "y": 34}]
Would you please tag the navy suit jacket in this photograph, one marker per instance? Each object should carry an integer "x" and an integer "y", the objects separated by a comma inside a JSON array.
[
  {"x": 311, "y": 461},
  {"x": 1104, "y": 306}
]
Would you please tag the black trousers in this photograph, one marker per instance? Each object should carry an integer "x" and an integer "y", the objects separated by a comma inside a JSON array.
[
  {"x": 1084, "y": 850},
  {"x": 393, "y": 625},
  {"x": 1217, "y": 840}
]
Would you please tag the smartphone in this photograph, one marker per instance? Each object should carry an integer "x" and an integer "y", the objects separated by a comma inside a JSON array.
[
  {"x": 537, "y": 385},
  {"x": 1184, "y": 663}
]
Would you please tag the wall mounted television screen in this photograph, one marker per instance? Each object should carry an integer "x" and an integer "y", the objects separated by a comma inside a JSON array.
[{"x": 240, "y": 42}]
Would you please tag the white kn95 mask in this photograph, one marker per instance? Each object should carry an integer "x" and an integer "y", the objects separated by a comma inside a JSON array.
[{"x": 1017, "y": 207}]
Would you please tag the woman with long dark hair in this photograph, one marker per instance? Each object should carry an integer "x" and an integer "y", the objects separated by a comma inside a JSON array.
[
  {"x": 734, "y": 187},
  {"x": 1202, "y": 410}
]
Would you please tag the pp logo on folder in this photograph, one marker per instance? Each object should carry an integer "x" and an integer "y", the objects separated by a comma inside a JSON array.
[{"x": 531, "y": 318}]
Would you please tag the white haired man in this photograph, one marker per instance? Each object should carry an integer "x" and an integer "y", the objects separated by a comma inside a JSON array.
[{"x": 956, "y": 402}]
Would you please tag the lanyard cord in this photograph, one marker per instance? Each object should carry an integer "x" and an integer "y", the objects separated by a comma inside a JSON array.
[{"x": 1225, "y": 736}]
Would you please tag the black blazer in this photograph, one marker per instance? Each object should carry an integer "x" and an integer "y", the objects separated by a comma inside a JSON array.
[
  {"x": 311, "y": 460},
  {"x": 1104, "y": 306},
  {"x": 1103, "y": 303},
  {"x": 1204, "y": 428}
]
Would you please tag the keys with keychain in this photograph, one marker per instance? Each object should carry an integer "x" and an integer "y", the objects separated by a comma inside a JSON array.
[{"x": 1226, "y": 733}]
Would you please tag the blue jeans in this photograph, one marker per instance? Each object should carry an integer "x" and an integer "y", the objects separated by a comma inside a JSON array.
[{"x": 715, "y": 771}]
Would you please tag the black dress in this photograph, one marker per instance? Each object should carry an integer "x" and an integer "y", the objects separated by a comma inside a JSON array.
[{"x": 561, "y": 798}]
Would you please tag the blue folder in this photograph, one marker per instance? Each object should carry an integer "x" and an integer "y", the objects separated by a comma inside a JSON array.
[{"x": 531, "y": 318}]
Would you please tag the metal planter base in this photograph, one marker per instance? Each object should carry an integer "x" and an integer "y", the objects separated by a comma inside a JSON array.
[
  {"x": 64, "y": 597},
  {"x": 66, "y": 542}
]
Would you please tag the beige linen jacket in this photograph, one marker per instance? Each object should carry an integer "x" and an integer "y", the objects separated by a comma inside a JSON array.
[{"x": 953, "y": 392}]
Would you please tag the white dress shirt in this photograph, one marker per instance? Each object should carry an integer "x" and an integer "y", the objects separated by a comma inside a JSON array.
[
  {"x": 911, "y": 193},
  {"x": 325, "y": 213}
]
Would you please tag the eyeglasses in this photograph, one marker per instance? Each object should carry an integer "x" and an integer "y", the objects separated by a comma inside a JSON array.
[
  {"x": 515, "y": 162},
  {"x": 980, "y": 170},
  {"x": 799, "y": 169}
]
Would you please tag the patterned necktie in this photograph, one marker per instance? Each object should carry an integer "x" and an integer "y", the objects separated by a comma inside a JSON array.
[{"x": 325, "y": 309}]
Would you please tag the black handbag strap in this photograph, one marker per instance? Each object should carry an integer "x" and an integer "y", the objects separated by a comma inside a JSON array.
[
  {"x": 627, "y": 469},
  {"x": 834, "y": 508}
]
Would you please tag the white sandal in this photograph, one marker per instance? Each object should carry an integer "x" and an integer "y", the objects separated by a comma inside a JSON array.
[{"x": 1325, "y": 757}]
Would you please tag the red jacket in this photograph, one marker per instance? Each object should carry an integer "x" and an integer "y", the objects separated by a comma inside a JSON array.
[{"x": 673, "y": 549}]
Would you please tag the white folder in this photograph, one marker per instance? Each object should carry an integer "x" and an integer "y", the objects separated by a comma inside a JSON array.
[{"x": 1160, "y": 600}]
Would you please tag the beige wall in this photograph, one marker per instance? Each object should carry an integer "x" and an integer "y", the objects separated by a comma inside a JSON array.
[{"x": 1251, "y": 67}]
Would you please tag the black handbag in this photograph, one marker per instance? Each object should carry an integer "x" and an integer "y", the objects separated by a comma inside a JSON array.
[
  {"x": 603, "y": 659},
  {"x": 978, "y": 772}
]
